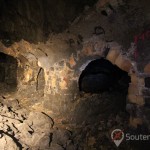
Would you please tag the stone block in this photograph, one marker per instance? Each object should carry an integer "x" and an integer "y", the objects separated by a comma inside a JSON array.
[
  {"x": 112, "y": 55},
  {"x": 132, "y": 98},
  {"x": 141, "y": 81},
  {"x": 123, "y": 63},
  {"x": 134, "y": 122},
  {"x": 133, "y": 89},
  {"x": 134, "y": 79},
  {"x": 147, "y": 68},
  {"x": 137, "y": 99},
  {"x": 140, "y": 100},
  {"x": 137, "y": 80}
]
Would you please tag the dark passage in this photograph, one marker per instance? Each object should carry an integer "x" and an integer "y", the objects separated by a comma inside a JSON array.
[
  {"x": 8, "y": 73},
  {"x": 108, "y": 87},
  {"x": 101, "y": 75},
  {"x": 147, "y": 82}
]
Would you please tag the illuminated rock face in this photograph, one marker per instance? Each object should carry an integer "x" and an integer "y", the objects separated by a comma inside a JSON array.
[
  {"x": 50, "y": 74},
  {"x": 64, "y": 56},
  {"x": 35, "y": 130}
]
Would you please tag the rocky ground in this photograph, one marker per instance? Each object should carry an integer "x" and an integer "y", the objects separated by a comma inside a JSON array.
[
  {"x": 26, "y": 124},
  {"x": 87, "y": 127}
]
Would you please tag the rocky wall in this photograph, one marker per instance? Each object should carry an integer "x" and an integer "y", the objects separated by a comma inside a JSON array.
[{"x": 102, "y": 31}]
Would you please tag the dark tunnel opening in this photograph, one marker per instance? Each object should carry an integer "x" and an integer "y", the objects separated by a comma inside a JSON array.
[
  {"x": 101, "y": 75},
  {"x": 8, "y": 73},
  {"x": 104, "y": 89}
]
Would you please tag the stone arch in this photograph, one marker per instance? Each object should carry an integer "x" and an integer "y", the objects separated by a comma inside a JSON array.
[
  {"x": 135, "y": 95},
  {"x": 101, "y": 75}
]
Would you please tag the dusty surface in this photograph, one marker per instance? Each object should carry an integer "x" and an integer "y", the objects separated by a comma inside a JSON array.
[
  {"x": 88, "y": 127},
  {"x": 47, "y": 111}
]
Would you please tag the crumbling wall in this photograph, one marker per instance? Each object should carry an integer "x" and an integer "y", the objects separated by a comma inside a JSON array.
[{"x": 91, "y": 36}]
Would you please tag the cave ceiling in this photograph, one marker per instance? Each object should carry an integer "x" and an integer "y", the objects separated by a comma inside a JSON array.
[{"x": 35, "y": 20}]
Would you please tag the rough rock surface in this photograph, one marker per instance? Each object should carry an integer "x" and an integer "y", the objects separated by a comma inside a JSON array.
[
  {"x": 30, "y": 130},
  {"x": 24, "y": 130},
  {"x": 47, "y": 111},
  {"x": 88, "y": 127}
]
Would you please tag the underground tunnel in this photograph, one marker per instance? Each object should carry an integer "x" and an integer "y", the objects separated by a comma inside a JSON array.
[
  {"x": 73, "y": 71},
  {"x": 8, "y": 73},
  {"x": 101, "y": 75},
  {"x": 107, "y": 85}
]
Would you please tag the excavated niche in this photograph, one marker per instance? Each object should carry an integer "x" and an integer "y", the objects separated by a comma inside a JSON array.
[{"x": 8, "y": 73}]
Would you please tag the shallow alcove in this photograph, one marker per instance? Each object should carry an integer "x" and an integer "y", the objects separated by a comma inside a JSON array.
[
  {"x": 40, "y": 81},
  {"x": 8, "y": 73}
]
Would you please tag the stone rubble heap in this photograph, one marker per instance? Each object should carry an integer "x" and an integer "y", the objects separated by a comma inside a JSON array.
[
  {"x": 35, "y": 130},
  {"x": 90, "y": 128}
]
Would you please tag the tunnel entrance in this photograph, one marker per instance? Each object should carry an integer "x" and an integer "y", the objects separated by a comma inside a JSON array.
[
  {"x": 101, "y": 75},
  {"x": 108, "y": 85},
  {"x": 8, "y": 73}
]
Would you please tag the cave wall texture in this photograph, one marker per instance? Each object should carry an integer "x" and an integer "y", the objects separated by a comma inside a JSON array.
[
  {"x": 54, "y": 41},
  {"x": 35, "y": 20},
  {"x": 64, "y": 55}
]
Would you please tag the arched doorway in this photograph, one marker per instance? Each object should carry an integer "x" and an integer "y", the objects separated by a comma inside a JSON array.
[{"x": 101, "y": 75}]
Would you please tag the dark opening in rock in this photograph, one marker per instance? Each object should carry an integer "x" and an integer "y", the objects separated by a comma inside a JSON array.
[
  {"x": 110, "y": 84},
  {"x": 101, "y": 75},
  {"x": 8, "y": 73},
  {"x": 147, "y": 82},
  {"x": 103, "y": 12}
]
